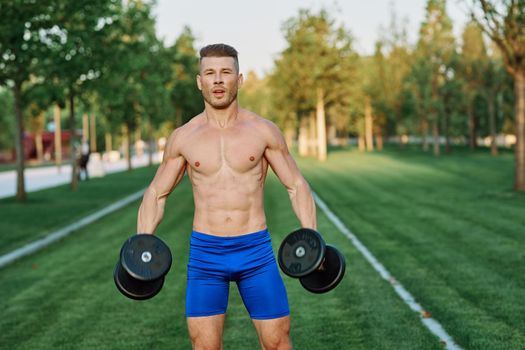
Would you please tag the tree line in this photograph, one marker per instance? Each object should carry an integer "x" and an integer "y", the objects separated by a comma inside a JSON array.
[
  {"x": 440, "y": 90},
  {"x": 101, "y": 58}
]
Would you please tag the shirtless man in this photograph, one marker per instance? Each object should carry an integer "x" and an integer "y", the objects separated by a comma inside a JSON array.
[{"x": 226, "y": 151}]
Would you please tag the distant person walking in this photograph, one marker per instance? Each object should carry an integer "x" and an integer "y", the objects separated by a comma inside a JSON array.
[{"x": 83, "y": 161}]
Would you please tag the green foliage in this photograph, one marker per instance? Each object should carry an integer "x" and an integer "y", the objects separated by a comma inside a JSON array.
[
  {"x": 128, "y": 72},
  {"x": 387, "y": 88},
  {"x": 6, "y": 119},
  {"x": 503, "y": 21},
  {"x": 255, "y": 95},
  {"x": 185, "y": 97},
  {"x": 26, "y": 31},
  {"x": 319, "y": 56}
]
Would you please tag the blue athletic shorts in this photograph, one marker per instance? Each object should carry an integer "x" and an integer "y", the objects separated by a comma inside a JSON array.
[{"x": 249, "y": 261}]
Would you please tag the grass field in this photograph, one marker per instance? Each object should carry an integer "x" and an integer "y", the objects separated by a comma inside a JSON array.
[
  {"x": 450, "y": 229},
  {"x": 50, "y": 209}
]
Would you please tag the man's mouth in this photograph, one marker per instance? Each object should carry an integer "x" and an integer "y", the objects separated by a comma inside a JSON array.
[{"x": 218, "y": 92}]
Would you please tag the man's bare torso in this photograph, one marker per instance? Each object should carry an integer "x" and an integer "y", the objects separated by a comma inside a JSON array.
[{"x": 227, "y": 169}]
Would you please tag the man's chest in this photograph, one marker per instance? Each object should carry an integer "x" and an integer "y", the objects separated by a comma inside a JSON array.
[{"x": 210, "y": 151}]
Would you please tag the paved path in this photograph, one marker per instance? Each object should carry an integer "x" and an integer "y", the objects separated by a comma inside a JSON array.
[{"x": 45, "y": 177}]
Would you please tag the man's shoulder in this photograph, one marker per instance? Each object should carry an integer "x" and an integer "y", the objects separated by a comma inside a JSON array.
[
  {"x": 267, "y": 129},
  {"x": 261, "y": 123},
  {"x": 179, "y": 136},
  {"x": 189, "y": 126}
]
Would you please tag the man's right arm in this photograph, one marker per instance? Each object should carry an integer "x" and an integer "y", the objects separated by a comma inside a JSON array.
[{"x": 169, "y": 174}]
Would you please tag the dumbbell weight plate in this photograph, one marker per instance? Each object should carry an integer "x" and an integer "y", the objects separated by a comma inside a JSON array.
[
  {"x": 328, "y": 276},
  {"x": 133, "y": 288},
  {"x": 301, "y": 252},
  {"x": 145, "y": 257}
]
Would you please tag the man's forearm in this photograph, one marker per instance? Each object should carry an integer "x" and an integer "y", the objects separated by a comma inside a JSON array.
[
  {"x": 151, "y": 212},
  {"x": 303, "y": 204}
]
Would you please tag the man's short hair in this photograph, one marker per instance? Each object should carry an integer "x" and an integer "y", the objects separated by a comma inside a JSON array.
[{"x": 220, "y": 50}]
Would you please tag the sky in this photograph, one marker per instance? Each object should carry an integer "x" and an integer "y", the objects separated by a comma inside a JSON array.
[{"x": 254, "y": 27}]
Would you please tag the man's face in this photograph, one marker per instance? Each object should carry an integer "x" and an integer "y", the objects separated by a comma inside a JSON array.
[{"x": 219, "y": 81}]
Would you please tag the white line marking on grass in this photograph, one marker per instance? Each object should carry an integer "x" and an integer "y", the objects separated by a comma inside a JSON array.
[
  {"x": 52, "y": 237},
  {"x": 433, "y": 325}
]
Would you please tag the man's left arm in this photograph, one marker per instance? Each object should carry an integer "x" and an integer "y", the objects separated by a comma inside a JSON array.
[{"x": 286, "y": 169}]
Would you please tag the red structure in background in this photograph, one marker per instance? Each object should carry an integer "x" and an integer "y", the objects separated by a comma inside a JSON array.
[{"x": 48, "y": 144}]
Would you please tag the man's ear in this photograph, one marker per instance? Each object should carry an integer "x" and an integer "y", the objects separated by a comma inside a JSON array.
[
  {"x": 240, "y": 80},
  {"x": 199, "y": 84}
]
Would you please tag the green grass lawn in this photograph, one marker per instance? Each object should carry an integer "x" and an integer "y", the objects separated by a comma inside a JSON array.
[
  {"x": 48, "y": 210},
  {"x": 64, "y": 297},
  {"x": 450, "y": 229}
]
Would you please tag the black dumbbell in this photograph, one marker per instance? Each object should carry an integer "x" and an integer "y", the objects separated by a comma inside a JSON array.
[
  {"x": 144, "y": 262},
  {"x": 303, "y": 254}
]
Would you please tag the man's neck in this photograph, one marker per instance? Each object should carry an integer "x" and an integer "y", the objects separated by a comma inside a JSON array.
[{"x": 222, "y": 118}]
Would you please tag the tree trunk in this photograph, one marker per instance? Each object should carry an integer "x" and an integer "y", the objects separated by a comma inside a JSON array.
[
  {"x": 151, "y": 143},
  {"x": 492, "y": 123},
  {"x": 312, "y": 135},
  {"x": 58, "y": 137},
  {"x": 332, "y": 135},
  {"x": 303, "y": 137},
  {"x": 401, "y": 143},
  {"x": 361, "y": 144},
  {"x": 448, "y": 148},
  {"x": 321, "y": 126},
  {"x": 109, "y": 142},
  {"x": 39, "y": 145},
  {"x": 519, "y": 90},
  {"x": 289, "y": 134},
  {"x": 93, "y": 134},
  {"x": 424, "y": 134},
  {"x": 73, "y": 141},
  {"x": 369, "y": 126},
  {"x": 435, "y": 135},
  {"x": 379, "y": 140},
  {"x": 19, "y": 143},
  {"x": 85, "y": 128},
  {"x": 472, "y": 134},
  {"x": 126, "y": 145}
]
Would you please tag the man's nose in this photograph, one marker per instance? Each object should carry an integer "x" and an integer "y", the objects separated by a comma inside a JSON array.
[{"x": 218, "y": 79}]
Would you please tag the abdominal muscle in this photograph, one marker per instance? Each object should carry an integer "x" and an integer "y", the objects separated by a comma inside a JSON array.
[{"x": 228, "y": 203}]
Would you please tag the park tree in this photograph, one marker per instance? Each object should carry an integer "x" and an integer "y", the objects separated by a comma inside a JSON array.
[
  {"x": 315, "y": 71},
  {"x": 26, "y": 30},
  {"x": 503, "y": 21},
  {"x": 436, "y": 46},
  {"x": 371, "y": 108},
  {"x": 37, "y": 98},
  {"x": 474, "y": 59},
  {"x": 186, "y": 98},
  {"x": 78, "y": 55},
  {"x": 451, "y": 91},
  {"x": 128, "y": 72},
  {"x": 155, "y": 99},
  {"x": 494, "y": 79},
  {"x": 255, "y": 95},
  {"x": 419, "y": 83},
  {"x": 7, "y": 120},
  {"x": 396, "y": 63}
]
